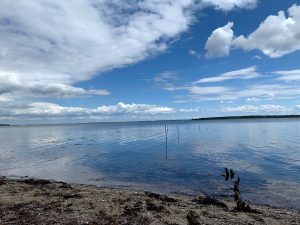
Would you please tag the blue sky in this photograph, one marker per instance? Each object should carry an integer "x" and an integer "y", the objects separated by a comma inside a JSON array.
[{"x": 92, "y": 60}]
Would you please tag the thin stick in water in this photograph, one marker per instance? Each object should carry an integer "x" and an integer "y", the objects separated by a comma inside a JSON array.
[
  {"x": 166, "y": 134},
  {"x": 178, "y": 134}
]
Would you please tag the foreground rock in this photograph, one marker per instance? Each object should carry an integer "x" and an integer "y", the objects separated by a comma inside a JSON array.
[{"x": 46, "y": 202}]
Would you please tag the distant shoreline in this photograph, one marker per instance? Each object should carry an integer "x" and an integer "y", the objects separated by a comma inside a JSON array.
[
  {"x": 165, "y": 121},
  {"x": 248, "y": 117}
]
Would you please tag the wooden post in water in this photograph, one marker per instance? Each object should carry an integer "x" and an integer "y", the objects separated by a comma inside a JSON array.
[
  {"x": 166, "y": 134},
  {"x": 177, "y": 133}
]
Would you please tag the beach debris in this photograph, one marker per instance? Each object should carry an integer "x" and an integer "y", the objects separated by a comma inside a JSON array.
[
  {"x": 36, "y": 181},
  {"x": 104, "y": 218},
  {"x": 65, "y": 185},
  {"x": 236, "y": 189},
  {"x": 192, "y": 218},
  {"x": 154, "y": 207},
  {"x": 207, "y": 200},
  {"x": 132, "y": 215},
  {"x": 241, "y": 205},
  {"x": 70, "y": 195},
  {"x": 98, "y": 179},
  {"x": 2, "y": 180},
  {"x": 24, "y": 204},
  {"x": 135, "y": 209},
  {"x": 164, "y": 198}
]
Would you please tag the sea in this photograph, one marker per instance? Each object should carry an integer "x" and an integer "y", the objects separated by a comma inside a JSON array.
[{"x": 186, "y": 157}]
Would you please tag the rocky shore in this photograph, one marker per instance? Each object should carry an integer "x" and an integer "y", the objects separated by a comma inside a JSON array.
[{"x": 33, "y": 201}]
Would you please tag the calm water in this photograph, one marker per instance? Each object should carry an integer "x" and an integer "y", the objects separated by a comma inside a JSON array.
[{"x": 264, "y": 153}]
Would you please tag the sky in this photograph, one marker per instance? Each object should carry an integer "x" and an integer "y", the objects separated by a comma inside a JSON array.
[{"x": 128, "y": 60}]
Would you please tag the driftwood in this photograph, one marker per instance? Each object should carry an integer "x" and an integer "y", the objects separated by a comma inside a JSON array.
[{"x": 241, "y": 205}]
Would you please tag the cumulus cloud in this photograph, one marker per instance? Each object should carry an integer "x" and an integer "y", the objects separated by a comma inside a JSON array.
[
  {"x": 60, "y": 42},
  {"x": 278, "y": 35},
  {"x": 227, "y": 5},
  {"x": 46, "y": 109},
  {"x": 246, "y": 73},
  {"x": 63, "y": 42},
  {"x": 259, "y": 109},
  {"x": 9, "y": 83},
  {"x": 122, "y": 108},
  {"x": 219, "y": 42},
  {"x": 47, "y": 47}
]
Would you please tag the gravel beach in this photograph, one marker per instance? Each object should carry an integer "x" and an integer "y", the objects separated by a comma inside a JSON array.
[{"x": 33, "y": 201}]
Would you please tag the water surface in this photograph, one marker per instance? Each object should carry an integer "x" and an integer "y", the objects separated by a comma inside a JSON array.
[{"x": 264, "y": 153}]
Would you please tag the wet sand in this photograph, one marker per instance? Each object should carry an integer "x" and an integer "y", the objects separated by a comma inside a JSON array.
[{"x": 33, "y": 201}]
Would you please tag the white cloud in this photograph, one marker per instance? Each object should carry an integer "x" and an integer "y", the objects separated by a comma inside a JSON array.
[
  {"x": 253, "y": 99},
  {"x": 165, "y": 80},
  {"x": 278, "y": 35},
  {"x": 46, "y": 47},
  {"x": 9, "y": 83},
  {"x": 259, "y": 109},
  {"x": 288, "y": 75},
  {"x": 244, "y": 108},
  {"x": 219, "y": 42},
  {"x": 226, "y": 102},
  {"x": 166, "y": 76},
  {"x": 227, "y": 5},
  {"x": 270, "y": 91},
  {"x": 45, "y": 109},
  {"x": 246, "y": 73},
  {"x": 262, "y": 92},
  {"x": 257, "y": 57},
  {"x": 195, "y": 53},
  {"x": 122, "y": 108},
  {"x": 191, "y": 110},
  {"x": 61, "y": 42},
  {"x": 254, "y": 92},
  {"x": 192, "y": 52},
  {"x": 215, "y": 90}
]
